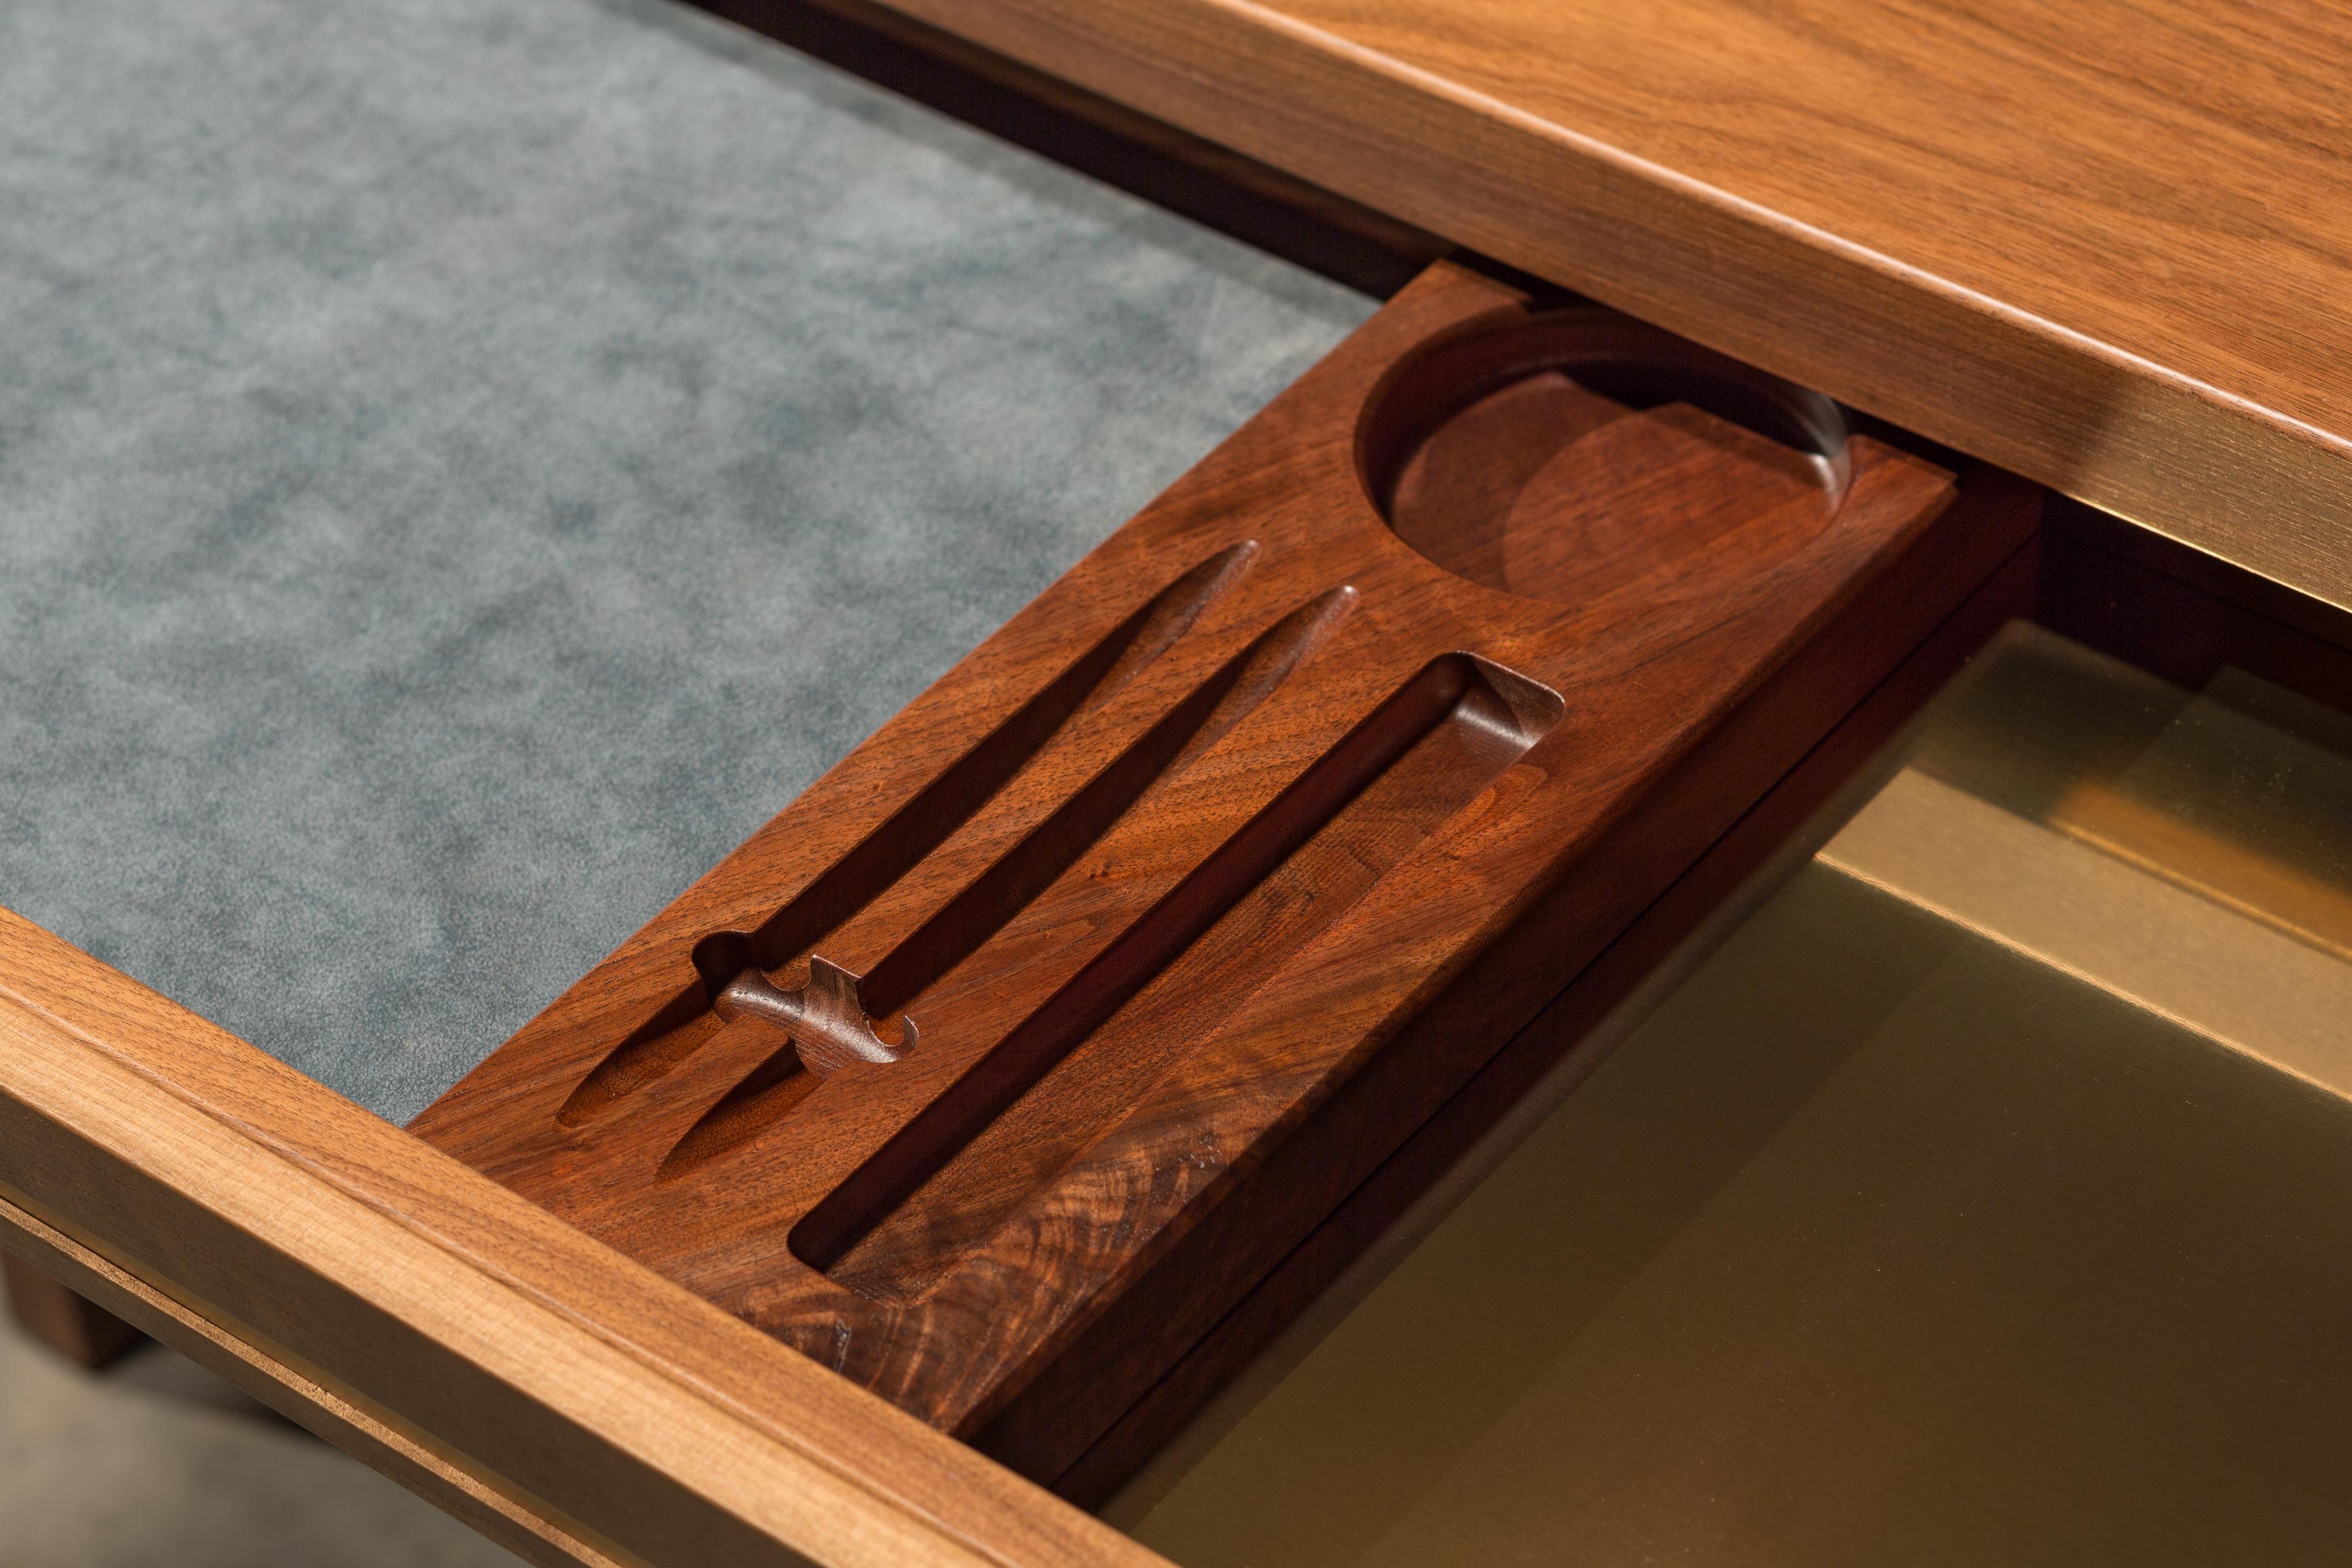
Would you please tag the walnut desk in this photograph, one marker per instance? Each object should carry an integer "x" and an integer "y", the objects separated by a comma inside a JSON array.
[
  {"x": 2102, "y": 245},
  {"x": 554, "y": 439}
]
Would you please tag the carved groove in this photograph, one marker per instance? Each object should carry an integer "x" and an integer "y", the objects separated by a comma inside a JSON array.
[
  {"x": 687, "y": 1022},
  {"x": 1418, "y": 758},
  {"x": 833, "y": 1016},
  {"x": 1193, "y": 726},
  {"x": 766, "y": 1095}
]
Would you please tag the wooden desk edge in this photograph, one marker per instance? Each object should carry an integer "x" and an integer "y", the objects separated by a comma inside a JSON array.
[
  {"x": 2222, "y": 474},
  {"x": 564, "y": 1400},
  {"x": 368, "y": 1436}
]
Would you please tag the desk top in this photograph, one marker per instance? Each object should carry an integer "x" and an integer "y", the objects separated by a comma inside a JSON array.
[{"x": 2107, "y": 245}]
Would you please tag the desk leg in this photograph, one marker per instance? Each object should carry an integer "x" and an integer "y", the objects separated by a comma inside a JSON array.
[{"x": 62, "y": 1321}]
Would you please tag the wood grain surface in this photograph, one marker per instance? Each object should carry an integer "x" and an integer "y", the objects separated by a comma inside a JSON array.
[
  {"x": 939, "y": 1075},
  {"x": 1573, "y": 1035},
  {"x": 541, "y": 1386},
  {"x": 2105, "y": 245}
]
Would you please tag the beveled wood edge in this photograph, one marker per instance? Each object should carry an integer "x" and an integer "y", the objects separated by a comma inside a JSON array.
[
  {"x": 543, "y": 1389},
  {"x": 2218, "y": 472}
]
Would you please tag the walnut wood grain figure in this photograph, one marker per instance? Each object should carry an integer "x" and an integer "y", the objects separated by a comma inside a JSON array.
[
  {"x": 1837, "y": 673},
  {"x": 1013, "y": 1009}
]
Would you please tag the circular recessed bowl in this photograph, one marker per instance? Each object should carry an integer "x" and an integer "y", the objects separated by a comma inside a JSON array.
[{"x": 1570, "y": 454}]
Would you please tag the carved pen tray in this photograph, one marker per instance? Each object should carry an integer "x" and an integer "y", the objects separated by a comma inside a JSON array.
[{"x": 968, "y": 1074}]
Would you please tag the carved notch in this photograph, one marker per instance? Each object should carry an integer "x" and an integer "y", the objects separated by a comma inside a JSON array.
[{"x": 825, "y": 1018}]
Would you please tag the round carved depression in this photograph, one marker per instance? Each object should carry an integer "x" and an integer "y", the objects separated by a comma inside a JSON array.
[{"x": 1573, "y": 454}]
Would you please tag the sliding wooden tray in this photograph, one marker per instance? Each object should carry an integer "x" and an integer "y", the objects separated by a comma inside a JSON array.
[{"x": 1003, "y": 1061}]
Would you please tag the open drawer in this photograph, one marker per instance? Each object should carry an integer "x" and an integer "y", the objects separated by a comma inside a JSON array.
[
  {"x": 1237, "y": 921},
  {"x": 993, "y": 1072}
]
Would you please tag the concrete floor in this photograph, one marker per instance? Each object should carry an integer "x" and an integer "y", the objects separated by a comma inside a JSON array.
[{"x": 156, "y": 1461}]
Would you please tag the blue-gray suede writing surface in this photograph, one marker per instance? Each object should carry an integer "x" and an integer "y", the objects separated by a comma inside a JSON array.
[{"x": 463, "y": 464}]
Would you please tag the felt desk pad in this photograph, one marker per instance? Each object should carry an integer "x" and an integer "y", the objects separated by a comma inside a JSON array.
[{"x": 463, "y": 464}]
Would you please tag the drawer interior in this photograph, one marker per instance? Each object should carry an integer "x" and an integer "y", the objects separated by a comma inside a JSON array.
[
  {"x": 1890, "y": 1135},
  {"x": 1972, "y": 1187}
]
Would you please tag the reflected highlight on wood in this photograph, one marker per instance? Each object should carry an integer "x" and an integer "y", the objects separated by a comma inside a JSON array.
[
  {"x": 964, "y": 1075},
  {"x": 1625, "y": 491}
]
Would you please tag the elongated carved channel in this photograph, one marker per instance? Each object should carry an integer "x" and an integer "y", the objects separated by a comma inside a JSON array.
[
  {"x": 832, "y": 1017},
  {"x": 940, "y": 1185},
  {"x": 688, "y": 1022}
]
